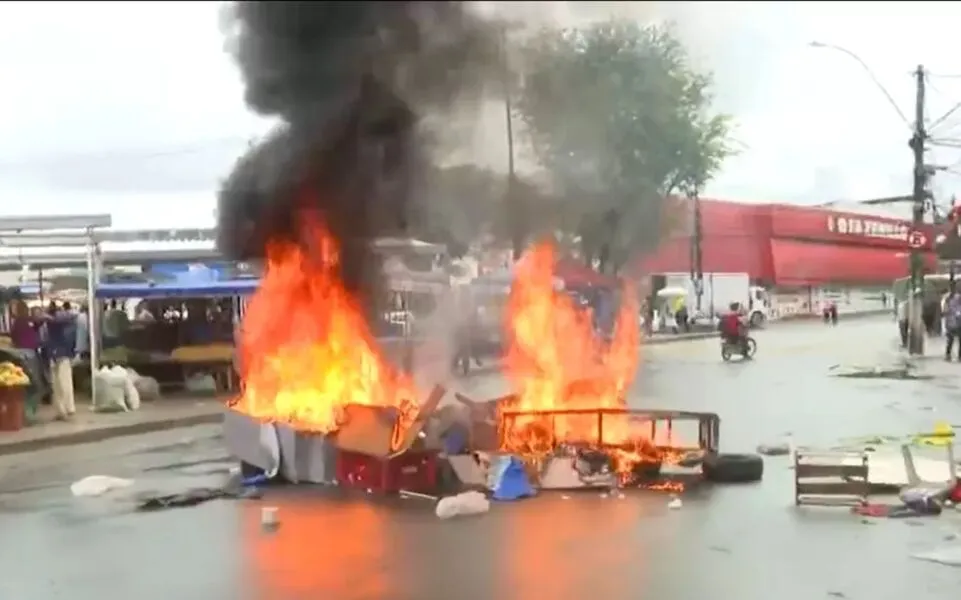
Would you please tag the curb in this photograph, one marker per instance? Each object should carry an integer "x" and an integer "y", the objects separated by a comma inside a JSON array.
[{"x": 106, "y": 433}]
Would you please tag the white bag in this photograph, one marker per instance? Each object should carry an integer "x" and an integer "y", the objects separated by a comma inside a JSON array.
[
  {"x": 468, "y": 503},
  {"x": 148, "y": 388},
  {"x": 96, "y": 485},
  {"x": 109, "y": 392},
  {"x": 130, "y": 394}
]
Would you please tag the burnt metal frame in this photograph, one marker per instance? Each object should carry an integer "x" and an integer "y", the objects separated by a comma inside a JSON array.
[{"x": 708, "y": 429}]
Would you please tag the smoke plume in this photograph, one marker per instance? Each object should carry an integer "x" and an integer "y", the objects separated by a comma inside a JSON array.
[{"x": 350, "y": 82}]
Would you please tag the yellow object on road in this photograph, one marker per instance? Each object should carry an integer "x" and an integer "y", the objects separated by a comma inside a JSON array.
[{"x": 942, "y": 435}]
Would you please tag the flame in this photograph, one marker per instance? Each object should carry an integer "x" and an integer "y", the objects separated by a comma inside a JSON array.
[
  {"x": 556, "y": 361},
  {"x": 305, "y": 349}
]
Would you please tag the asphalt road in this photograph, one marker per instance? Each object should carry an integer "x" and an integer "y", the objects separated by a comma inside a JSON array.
[{"x": 738, "y": 543}]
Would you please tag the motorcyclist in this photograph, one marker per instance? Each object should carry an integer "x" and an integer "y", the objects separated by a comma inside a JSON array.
[{"x": 733, "y": 329}]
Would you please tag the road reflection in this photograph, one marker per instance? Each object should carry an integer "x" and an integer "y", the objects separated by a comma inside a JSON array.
[
  {"x": 357, "y": 549},
  {"x": 319, "y": 549}
]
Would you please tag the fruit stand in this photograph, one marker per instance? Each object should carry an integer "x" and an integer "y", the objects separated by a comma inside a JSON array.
[{"x": 13, "y": 388}]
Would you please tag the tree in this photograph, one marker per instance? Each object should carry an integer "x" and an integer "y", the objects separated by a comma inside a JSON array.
[{"x": 620, "y": 119}]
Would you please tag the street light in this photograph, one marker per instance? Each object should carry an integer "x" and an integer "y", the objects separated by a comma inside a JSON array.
[
  {"x": 867, "y": 70},
  {"x": 919, "y": 194}
]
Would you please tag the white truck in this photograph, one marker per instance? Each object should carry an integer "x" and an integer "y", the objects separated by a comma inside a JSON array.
[{"x": 719, "y": 291}]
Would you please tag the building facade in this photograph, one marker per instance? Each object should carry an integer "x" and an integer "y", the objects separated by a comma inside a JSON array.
[{"x": 803, "y": 254}]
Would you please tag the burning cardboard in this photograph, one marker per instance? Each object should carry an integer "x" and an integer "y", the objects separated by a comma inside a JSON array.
[{"x": 380, "y": 430}]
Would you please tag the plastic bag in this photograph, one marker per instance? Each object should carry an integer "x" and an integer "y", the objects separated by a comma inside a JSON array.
[
  {"x": 200, "y": 383},
  {"x": 97, "y": 485},
  {"x": 468, "y": 503},
  {"x": 147, "y": 388},
  {"x": 130, "y": 394},
  {"x": 109, "y": 393}
]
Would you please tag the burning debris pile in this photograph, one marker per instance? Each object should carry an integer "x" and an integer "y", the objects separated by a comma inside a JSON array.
[{"x": 350, "y": 82}]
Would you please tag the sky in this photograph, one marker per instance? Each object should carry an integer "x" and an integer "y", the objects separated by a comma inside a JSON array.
[{"x": 134, "y": 109}]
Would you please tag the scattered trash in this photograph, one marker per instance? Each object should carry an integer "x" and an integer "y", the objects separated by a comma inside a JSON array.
[
  {"x": 416, "y": 495},
  {"x": 193, "y": 498},
  {"x": 837, "y": 594},
  {"x": 97, "y": 485},
  {"x": 906, "y": 371},
  {"x": 720, "y": 549},
  {"x": 565, "y": 497},
  {"x": 510, "y": 480},
  {"x": 621, "y": 496},
  {"x": 675, "y": 503},
  {"x": 946, "y": 555},
  {"x": 465, "y": 504},
  {"x": 781, "y": 449},
  {"x": 268, "y": 518}
]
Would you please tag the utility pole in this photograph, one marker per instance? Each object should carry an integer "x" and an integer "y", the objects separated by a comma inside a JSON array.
[
  {"x": 697, "y": 256},
  {"x": 516, "y": 223},
  {"x": 919, "y": 197}
]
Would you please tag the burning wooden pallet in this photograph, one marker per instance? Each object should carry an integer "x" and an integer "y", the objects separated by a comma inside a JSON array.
[{"x": 831, "y": 477}]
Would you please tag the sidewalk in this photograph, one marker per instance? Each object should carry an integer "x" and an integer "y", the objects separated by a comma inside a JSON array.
[{"x": 89, "y": 426}]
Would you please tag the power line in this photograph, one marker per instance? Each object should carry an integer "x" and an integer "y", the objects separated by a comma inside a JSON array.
[{"x": 124, "y": 154}]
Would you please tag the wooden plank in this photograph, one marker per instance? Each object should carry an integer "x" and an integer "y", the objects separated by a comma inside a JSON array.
[
  {"x": 831, "y": 488},
  {"x": 813, "y": 500},
  {"x": 802, "y": 470}
]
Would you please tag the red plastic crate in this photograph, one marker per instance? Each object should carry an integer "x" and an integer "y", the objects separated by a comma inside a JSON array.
[{"x": 412, "y": 471}]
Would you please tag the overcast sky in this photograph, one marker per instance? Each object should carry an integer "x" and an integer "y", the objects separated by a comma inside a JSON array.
[{"x": 132, "y": 108}]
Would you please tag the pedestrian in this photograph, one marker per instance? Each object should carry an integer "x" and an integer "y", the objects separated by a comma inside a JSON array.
[
  {"x": 903, "y": 322},
  {"x": 952, "y": 324},
  {"x": 60, "y": 350}
]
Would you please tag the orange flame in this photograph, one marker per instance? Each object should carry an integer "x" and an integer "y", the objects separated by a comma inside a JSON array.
[
  {"x": 556, "y": 361},
  {"x": 305, "y": 349}
]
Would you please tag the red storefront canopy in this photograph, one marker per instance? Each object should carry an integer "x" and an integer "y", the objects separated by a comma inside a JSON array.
[{"x": 810, "y": 263}]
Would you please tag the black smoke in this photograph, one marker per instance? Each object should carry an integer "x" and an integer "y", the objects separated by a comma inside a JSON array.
[{"x": 351, "y": 82}]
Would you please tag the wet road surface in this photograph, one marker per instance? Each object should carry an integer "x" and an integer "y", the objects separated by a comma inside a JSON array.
[{"x": 738, "y": 542}]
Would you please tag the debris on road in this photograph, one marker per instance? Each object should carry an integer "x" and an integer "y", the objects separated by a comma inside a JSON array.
[
  {"x": 905, "y": 371},
  {"x": 777, "y": 449},
  {"x": 948, "y": 555},
  {"x": 268, "y": 518},
  {"x": 97, "y": 485},
  {"x": 466, "y": 504},
  {"x": 193, "y": 497},
  {"x": 675, "y": 503}
]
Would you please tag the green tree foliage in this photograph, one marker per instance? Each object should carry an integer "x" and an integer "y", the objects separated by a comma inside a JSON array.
[{"x": 620, "y": 119}]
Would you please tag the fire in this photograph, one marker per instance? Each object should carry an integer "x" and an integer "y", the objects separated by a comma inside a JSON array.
[
  {"x": 305, "y": 348},
  {"x": 556, "y": 361}
]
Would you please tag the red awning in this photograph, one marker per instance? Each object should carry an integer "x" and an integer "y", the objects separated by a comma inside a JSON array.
[{"x": 809, "y": 263}]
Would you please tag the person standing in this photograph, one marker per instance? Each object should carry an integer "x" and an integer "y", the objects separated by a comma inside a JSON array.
[
  {"x": 952, "y": 324},
  {"x": 61, "y": 349},
  {"x": 903, "y": 322}
]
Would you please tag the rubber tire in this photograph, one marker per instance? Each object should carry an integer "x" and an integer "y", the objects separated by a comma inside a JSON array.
[
  {"x": 751, "y": 348},
  {"x": 725, "y": 352},
  {"x": 757, "y": 320},
  {"x": 733, "y": 468}
]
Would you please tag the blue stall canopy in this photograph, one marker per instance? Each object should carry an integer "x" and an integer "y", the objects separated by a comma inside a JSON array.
[{"x": 178, "y": 289}]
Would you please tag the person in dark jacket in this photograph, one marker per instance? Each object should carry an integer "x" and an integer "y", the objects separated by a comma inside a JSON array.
[{"x": 60, "y": 349}]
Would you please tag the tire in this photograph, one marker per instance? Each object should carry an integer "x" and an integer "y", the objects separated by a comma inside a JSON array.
[
  {"x": 725, "y": 352},
  {"x": 733, "y": 468},
  {"x": 751, "y": 348},
  {"x": 757, "y": 320}
]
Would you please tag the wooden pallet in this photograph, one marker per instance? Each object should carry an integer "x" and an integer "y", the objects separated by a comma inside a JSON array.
[{"x": 830, "y": 477}]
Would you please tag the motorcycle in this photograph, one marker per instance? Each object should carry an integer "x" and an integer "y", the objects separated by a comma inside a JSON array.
[{"x": 746, "y": 348}]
